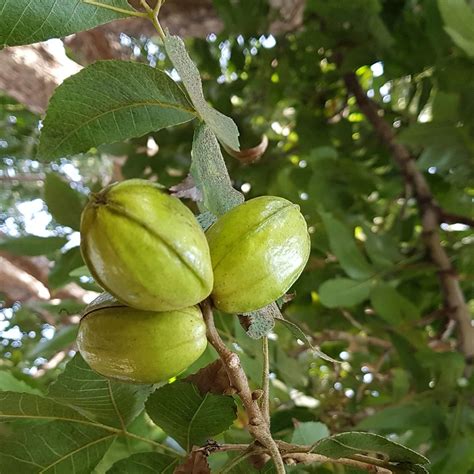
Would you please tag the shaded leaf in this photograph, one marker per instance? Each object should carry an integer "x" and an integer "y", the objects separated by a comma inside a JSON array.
[
  {"x": 343, "y": 245},
  {"x": 210, "y": 173},
  {"x": 348, "y": 444},
  {"x": 64, "y": 203},
  {"x": 211, "y": 379},
  {"x": 30, "y": 21},
  {"x": 391, "y": 306},
  {"x": 344, "y": 292},
  {"x": 189, "y": 417},
  {"x": 32, "y": 245},
  {"x": 222, "y": 126},
  {"x": 309, "y": 432},
  {"x": 142, "y": 463},
  {"x": 110, "y": 101}
]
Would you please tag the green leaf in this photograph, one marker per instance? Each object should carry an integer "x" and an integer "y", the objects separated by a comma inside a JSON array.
[
  {"x": 348, "y": 444},
  {"x": 189, "y": 417},
  {"x": 8, "y": 382},
  {"x": 222, "y": 126},
  {"x": 458, "y": 17},
  {"x": 309, "y": 432},
  {"x": 64, "y": 203},
  {"x": 343, "y": 245},
  {"x": 110, "y": 101},
  {"x": 60, "y": 274},
  {"x": 109, "y": 402},
  {"x": 210, "y": 173},
  {"x": 432, "y": 134},
  {"x": 142, "y": 463},
  {"x": 69, "y": 442},
  {"x": 344, "y": 292},
  {"x": 55, "y": 447},
  {"x": 32, "y": 245},
  {"x": 391, "y": 306},
  {"x": 30, "y": 21},
  {"x": 397, "y": 418},
  {"x": 14, "y": 406}
]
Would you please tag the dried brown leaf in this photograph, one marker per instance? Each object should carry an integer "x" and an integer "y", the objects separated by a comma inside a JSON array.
[
  {"x": 187, "y": 189},
  {"x": 195, "y": 463},
  {"x": 250, "y": 155},
  {"x": 213, "y": 379}
]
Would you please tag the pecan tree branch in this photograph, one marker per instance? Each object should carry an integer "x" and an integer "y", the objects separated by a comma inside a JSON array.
[
  {"x": 257, "y": 427},
  {"x": 430, "y": 217}
]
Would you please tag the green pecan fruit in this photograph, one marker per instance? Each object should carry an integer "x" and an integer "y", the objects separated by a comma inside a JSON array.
[
  {"x": 258, "y": 250},
  {"x": 143, "y": 347},
  {"x": 145, "y": 247}
]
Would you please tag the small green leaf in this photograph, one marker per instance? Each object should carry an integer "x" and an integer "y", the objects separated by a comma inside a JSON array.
[
  {"x": 64, "y": 203},
  {"x": 30, "y": 21},
  {"x": 309, "y": 432},
  {"x": 110, "y": 101},
  {"x": 343, "y": 245},
  {"x": 32, "y": 245},
  {"x": 189, "y": 417},
  {"x": 344, "y": 292},
  {"x": 348, "y": 444},
  {"x": 143, "y": 463},
  {"x": 222, "y": 126},
  {"x": 391, "y": 306},
  {"x": 210, "y": 173}
]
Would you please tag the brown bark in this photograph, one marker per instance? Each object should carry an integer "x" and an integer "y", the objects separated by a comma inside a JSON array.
[
  {"x": 431, "y": 218},
  {"x": 31, "y": 73}
]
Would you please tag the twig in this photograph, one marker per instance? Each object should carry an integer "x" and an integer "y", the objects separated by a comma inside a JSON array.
[
  {"x": 265, "y": 404},
  {"x": 257, "y": 426},
  {"x": 293, "y": 454},
  {"x": 449, "y": 218},
  {"x": 152, "y": 14},
  {"x": 430, "y": 219}
]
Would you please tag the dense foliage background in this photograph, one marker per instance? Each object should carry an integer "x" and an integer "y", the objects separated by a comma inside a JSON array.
[{"x": 371, "y": 293}]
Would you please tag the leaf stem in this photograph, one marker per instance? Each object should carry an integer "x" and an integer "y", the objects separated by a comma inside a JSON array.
[
  {"x": 152, "y": 14},
  {"x": 116, "y": 9}
]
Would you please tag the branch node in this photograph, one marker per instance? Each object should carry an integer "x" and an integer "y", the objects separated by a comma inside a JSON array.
[{"x": 256, "y": 394}]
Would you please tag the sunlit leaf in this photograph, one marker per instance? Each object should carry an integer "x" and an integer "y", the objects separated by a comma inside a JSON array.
[
  {"x": 110, "y": 101},
  {"x": 30, "y": 21}
]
